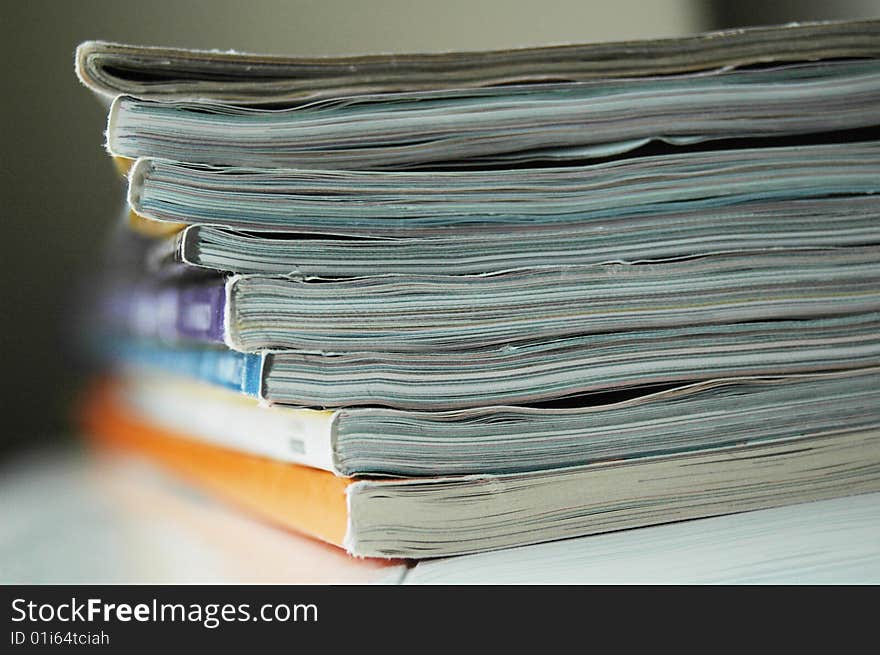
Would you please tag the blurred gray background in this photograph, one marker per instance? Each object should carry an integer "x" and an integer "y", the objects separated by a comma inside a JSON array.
[{"x": 60, "y": 192}]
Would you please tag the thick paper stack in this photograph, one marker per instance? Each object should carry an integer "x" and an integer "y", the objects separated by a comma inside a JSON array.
[{"x": 431, "y": 305}]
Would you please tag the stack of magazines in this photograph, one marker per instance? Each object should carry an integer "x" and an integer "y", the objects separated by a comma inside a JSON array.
[{"x": 420, "y": 306}]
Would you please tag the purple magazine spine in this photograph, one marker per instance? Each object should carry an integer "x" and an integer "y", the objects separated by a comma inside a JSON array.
[
  {"x": 200, "y": 313},
  {"x": 172, "y": 313}
]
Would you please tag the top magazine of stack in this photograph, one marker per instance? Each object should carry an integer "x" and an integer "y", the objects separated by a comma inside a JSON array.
[{"x": 112, "y": 69}]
